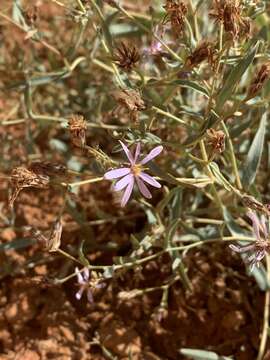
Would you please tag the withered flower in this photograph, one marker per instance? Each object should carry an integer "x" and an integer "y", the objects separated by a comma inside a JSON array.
[
  {"x": 261, "y": 77},
  {"x": 52, "y": 242},
  {"x": 77, "y": 128},
  {"x": 229, "y": 13},
  {"x": 22, "y": 177},
  {"x": 126, "y": 57},
  {"x": 204, "y": 51},
  {"x": 176, "y": 11},
  {"x": 48, "y": 169},
  {"x": 131, "y": 100},
  {"x": 216, "y": 140}
]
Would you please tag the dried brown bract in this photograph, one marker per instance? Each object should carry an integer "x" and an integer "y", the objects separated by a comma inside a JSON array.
[
  {"x": 50, "y": 243},
  {"x": 229, "y": 13},
  {"x": 131, "y": 100},
  {"x": 48, "y": 168},
  {"x": 252, "y": 203},
  {"x": 22, "y": 177},
  {"x": 54, "y": 241},
  {"x": 112, "y": 3},
  {"x": 216, "y": 140},
  {"x": 77, "y": 128},
  {"x": 126, "y": 57},
  {"x": 176, "y": 11},
  {"x": 31, "y": 16},
  {"x": 261, "y": 77},
  {"x": 204, "y": 51}
]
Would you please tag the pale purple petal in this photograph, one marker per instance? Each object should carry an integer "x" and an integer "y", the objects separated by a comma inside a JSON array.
[
  {"x": 86, "y": 274},
  {"x": 260, "y": 255},
  {"x": 128, "y": 153},
  {"x": 121, "y": 184},
  {"x": 127, "y": 192},
  {"x": 241, "y": 249},
  {"x": 79, "y": 276},
  {"x": 100, "y": 285},
  {"x": 149, "y": 179},
  {"x": 264, "y": 227},
  {"x": 153, "y": 153},
  {"x": 79, "y": 293},
  {"x": 116, "y": 173},
  {"x": 255, "y": 223},
  {"x": 137, "y": 152},
  {"x": 143, "y": 189},
  {"x": 90, "y": 296}
]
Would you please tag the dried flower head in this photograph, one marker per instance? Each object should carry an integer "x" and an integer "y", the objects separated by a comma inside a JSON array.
[
  {"x": 176, "y": 11},
  {"x": 77, "y": 128},
  {"x": 134, "y": 173},
  {"x": 250, "y": 202},
  {"x": 216, "y": 140},
  {"x": 259, "y": 248},
  {"x": 204, "y": 51},
  {"x": 126, "y": 57},
  {"x": 48, "y": 169},
  {"x": 131, "y": 100},
  {"x": 229, "y": 13},
  {"x": 260, "y": 79},
  {"x": 31, "y": 16},
  {"x": 22, "y": 177},
  {"x": 87, "y": 284},
  {"x": 52, "y": 242}
]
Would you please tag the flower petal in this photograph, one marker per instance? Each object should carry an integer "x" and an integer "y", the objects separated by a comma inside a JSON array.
[
  {"x": 149, "y": 179},
  {"x": 86, "y": 274},
  {"x": 128, "y": 153},
  {"x": 264, "y": 226},
  {"x": 241, "y": 249},
  {"x": 137, "y": 152},
  {"x": 121, "y": 184},
  {"x": 79, "y": 276},
  {"x": 79, "y": 293},
  {"x": 255, "y": 223},
  {"x": 153, "y": 153},
  {"x": 90, "y": 296},
  {"x": 116, "y": 173},
  {"x": 143, "y": 189},
  {"x": 127, "y": 192}
]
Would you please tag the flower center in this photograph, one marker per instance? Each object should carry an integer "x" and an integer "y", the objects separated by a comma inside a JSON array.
[{"x": 136, "y": 169}]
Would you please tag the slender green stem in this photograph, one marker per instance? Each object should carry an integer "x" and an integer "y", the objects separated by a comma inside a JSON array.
[
  {"x": 84, "y": 182},
  {"x": 232, "y": 156}
]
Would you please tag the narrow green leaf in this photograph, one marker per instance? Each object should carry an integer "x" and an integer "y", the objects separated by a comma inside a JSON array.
[
  {"x": 82, "y": 257},
  {"x": 254, "y": 154},
  {"x": 234, "y": 77},
  {"x": 203, "y": 355}
]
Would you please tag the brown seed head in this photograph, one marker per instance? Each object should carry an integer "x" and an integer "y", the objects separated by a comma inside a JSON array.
[
  {"x": 216, "y": 140},
  {"x": 77, "y": 128},
  {"x": 229, "y": 13},
  {"x": 261, "y": 77},
  {"x": 176, "y": 11},
  {"x": 22, "y": 177},
  {"x": 131, "y": 100},
  {"x": 48, "y": 169},
  {"x": 126, "y": 57},
  {"x": 204, "y": 51}
]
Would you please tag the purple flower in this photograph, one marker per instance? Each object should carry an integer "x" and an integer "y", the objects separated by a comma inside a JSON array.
[
  {"x": 134, "y": 173},
  {"x": 87, "y": 284},
  {"x": 261, "y": 246}
]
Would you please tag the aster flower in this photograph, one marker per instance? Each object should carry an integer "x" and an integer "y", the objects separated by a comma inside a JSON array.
[
  {"x": 259, "y": 248},
  {"x": 87, "y": 284},
  {"x": 134, "y": 173}
]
